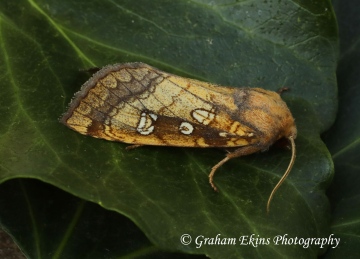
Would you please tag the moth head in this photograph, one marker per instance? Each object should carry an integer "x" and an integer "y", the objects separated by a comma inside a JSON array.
[
  {"x": 289, "y": 128},
  {"x": 282, "y": 125}
]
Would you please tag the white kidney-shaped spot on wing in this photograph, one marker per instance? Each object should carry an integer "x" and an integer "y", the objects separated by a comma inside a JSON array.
[
  {"x": 186, "y": 128},
  {"x": 145, "y": 126},
  {"x": 203, "y": 116}
]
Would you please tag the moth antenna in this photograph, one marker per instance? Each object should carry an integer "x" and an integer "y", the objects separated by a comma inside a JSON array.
[{"x": 293, "y": 155}]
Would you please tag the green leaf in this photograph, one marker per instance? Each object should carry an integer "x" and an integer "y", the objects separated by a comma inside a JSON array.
[
  {"x": 50, "y": 223},
  {"x": 343, "y": 138},
  {"x": 165, "y": 190}
]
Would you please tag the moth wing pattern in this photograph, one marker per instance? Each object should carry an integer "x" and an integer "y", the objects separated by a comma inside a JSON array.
[{"x": 138, "y": 104}]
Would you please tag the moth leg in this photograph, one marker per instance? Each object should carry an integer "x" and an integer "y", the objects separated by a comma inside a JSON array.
[
  {"x": 237, "y": 153},
  {"x": 283, "y": 89},
  {"x": 133, "y": 146}
]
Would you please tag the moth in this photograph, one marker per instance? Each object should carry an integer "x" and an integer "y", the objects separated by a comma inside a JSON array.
[{"x": 138, "y": 104}]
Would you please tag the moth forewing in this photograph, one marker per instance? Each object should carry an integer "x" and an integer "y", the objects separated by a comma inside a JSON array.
[{"x": 139, "y": 104}]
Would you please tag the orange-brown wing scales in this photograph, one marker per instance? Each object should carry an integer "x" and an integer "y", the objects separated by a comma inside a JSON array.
[{"x": 133, "y": 103}]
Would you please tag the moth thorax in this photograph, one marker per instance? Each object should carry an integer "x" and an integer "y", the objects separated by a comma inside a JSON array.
[{"x": 268, "y": 114}]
